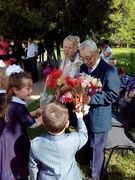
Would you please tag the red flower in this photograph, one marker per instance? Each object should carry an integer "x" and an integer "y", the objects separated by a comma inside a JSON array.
[
  {"x": 56, "y": 73},
  {"x": 94, "y": 88},
  {"x": 49, "y": 82},
  {"x": 52, "y": 81},
  {"x": 77, "y": 83},
  {"x": 69, "y": 81},
  {"x": 54, "y": 84}
]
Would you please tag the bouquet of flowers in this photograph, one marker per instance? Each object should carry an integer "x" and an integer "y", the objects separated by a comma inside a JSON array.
[
  {"x": 53, "y": 82},
  {"x": 81, "y": 85}
]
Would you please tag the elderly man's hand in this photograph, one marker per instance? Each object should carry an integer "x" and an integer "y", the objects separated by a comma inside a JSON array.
[{"x": 86, "y": 99}]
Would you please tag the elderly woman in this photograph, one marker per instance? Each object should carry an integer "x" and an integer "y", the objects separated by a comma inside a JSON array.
[
  {"x": 70, "y": 66},
  {"x": 70, "y": 62}
]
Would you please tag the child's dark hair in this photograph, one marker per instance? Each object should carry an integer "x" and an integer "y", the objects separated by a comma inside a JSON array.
[
  {"x": 55, "y": 116},
  {"x": 15, "y": 81}
]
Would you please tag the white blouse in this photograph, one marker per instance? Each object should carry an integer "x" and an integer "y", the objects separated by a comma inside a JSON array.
[{"x": 71, "y": 68}]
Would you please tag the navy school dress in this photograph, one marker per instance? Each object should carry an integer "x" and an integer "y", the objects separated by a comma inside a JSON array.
[{"x": 15, "y": 143}]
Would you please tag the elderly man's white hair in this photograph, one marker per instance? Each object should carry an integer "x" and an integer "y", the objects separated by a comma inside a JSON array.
[{"x": 88, "y": 44}]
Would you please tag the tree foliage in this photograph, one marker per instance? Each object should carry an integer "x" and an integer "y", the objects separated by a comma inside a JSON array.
[
  {"x": 103, "y": 18},
  {"x": 125, "y": 18}
]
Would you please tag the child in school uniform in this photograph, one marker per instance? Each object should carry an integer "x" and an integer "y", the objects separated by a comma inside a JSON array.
[
  {"x": 52, "y": 155},
  {"x": 14, "y": 140}
]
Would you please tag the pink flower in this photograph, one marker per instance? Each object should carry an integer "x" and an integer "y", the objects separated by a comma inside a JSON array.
[
  {"x": 68, "y": 97},
  {"x": 85, "y": 83}
]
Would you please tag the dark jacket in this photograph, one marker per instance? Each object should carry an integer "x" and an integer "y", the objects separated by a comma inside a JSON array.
[{"x": 100, "y": 114}]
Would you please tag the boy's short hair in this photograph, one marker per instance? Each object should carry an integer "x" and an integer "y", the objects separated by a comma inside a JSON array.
[
  {"x": 113, "y": 59},
  {"x": 55, "y": 116}
]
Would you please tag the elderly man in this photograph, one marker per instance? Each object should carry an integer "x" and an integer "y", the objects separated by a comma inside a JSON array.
[{"x": 98, "y": 120}]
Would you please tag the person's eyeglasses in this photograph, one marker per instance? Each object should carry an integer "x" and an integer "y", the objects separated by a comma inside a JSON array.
[{"x": 87, "y": 58}]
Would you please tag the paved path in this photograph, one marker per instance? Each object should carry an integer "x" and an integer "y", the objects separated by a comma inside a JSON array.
[{"x": 37, "y": 87}]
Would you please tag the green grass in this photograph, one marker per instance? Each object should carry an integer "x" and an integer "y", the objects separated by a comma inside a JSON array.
[
  {"x": 123, "y": 50},
  {"x": 125, "y": 58},
  {"x": 122, "y": 165}
]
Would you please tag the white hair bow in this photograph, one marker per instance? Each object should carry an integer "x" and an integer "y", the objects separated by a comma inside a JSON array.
[
  {"x": 13, "y": 69},
  {"x": 2, "y": 64}
]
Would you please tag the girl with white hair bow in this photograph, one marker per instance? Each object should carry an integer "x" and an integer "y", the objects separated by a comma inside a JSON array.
[{"x": 14, "y": 140}]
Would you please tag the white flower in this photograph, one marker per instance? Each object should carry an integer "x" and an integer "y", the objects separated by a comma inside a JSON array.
[
  {"x": 13, "y": 69},
  {"x": 2, "y": 64},
  {"x": 99, "y": 84},
  {"x": 86, "y": 77},
  {"x": 85, "y": 109},
  {"x": 94, "y": 81}
]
